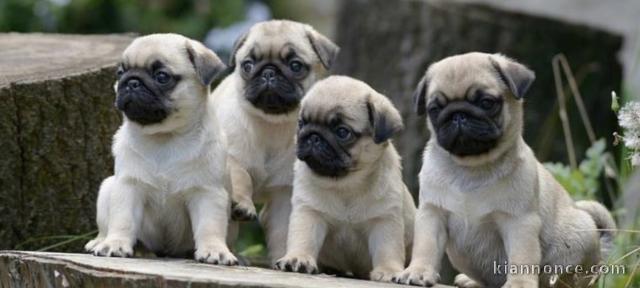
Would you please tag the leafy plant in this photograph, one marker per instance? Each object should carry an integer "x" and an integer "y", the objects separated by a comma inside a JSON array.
[
  {"x": 583, "y": 182},
  {"x": 192, "y": 18}
]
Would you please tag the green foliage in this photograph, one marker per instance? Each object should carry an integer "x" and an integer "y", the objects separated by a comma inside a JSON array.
[
  {"x": 627, "y": 243},
  {"x": 627, "y": 253},
  {"x": 192, "y": 18},
  {"x": 57, "y": 242},
  {"x": 583, "y": 182},
  {"x": 251, "y": 241}
]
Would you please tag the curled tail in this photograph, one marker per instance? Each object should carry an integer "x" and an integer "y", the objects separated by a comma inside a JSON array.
[{"x": 604, "y": 221}]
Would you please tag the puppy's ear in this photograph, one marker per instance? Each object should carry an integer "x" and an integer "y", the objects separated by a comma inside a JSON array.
[
  {"x": 206, "y": 63},
  {"x": 384, "y": 118},
  {"x": 419, "y": 97},
  {"x": 236, "y": 46},
  {"x": 515, "y": 76},
  {"x": 326, "y": 50}
]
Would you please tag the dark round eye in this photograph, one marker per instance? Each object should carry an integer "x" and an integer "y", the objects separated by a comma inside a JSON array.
[
  {"x": 119, "y": 72},
  {"x": 434, "y": 109},
  {"x": 162, "y": 77},
  {"x": 247, "y": 66},
  {"x": 343, "y": 133},
  {"x": 300, "y": 123},
  {"x": 487, "y": 104},
  {"x": 296, "y": 66}
]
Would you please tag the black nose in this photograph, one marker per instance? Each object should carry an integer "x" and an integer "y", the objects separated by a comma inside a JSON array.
[
  {"x": 133, "y": 84},
  {"x": 269, "y": 74},
  {"x": 459, "y": 118},
  {"x": 314, "y": 139}
]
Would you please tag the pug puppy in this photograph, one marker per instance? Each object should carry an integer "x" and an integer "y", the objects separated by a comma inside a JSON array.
[
  {"x": 274, "y": 64},
  {"x": 351, "y": 210},
  {"x": 168, "y": 187},
  {"x": 484, "y": 197}
]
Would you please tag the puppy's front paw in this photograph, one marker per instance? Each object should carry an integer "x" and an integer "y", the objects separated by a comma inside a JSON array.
[
  {"x": 382, "y": 274},
  {"x": 301, "y": 264},
  {"x": 520, "y": 283},
  {"x": 417, "y": 275},
  {"x": 91, "y": 245},
  {"x": 114, "y": 247},
  {"x": 243, "y": 211},
  {"x": 216, "y": 254},
  {"x": 463, "y": 281}
]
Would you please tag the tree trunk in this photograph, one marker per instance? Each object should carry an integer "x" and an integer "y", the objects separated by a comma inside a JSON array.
[
  {"x": 33, "y": 269},
  {"x": 56, "y": 121},
  {"x": 389, "y": 45}
]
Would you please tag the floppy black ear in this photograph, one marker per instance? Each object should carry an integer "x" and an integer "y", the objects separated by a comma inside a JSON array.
[
  {"x": 326, "y": 50},
  {"x": 236, "y": 46},
  {"x": 420, "y": 97},
  {"x": 206, "y": 63},
  {"x": 516, "y": 76},
  {"x": 384, "y": 118}
]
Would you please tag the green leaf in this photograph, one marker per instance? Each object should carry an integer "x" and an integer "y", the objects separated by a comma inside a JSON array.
[{"x": 582, "y": 183}]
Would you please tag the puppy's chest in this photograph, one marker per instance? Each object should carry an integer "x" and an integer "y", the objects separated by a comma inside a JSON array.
[
  {"x": 183, "y": 174},
  {"x": 477, "y": 200},
  {"x": 352, "y": 211},
  {"x": 266, "y": 150},
  {"x": 172, "y": 175},
  {"x": 272, "y": 164},
  {"x": 475, "y": 238}
]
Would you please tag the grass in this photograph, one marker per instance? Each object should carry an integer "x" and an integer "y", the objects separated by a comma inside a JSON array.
[{"x": 57, "y": 241}]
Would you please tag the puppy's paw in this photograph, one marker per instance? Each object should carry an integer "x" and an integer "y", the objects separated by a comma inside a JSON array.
[
  {"x": 382, "y": 274},
  {"x": 418, "y": 276},
  {"x": 114, "y": 247},
  {"x": 91, "y": 245},
  {"x": 300, "y": 263},
  {"x": 243, "y": 211},
  {"x": 520, "y": 283},
  {"x": 216, "y": 254},
  {"x": 463, "y": 281}
]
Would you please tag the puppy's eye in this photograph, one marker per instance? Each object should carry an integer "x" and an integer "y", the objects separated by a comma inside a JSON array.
[
  {"x": 343, "y": 133},
  {"x": 487, "y": 104},
  {"x": 120, "y": 71},
  {"x": 247, "y": 66},
  {"x": 300, "y": 123},
  {"x": 162, "y": 77},
  {"x": 434, "y": 107},
  {"x": 296, "y": 66}
]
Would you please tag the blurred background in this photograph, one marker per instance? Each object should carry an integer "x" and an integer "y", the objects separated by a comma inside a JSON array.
[{"x": 581, "y": 50}]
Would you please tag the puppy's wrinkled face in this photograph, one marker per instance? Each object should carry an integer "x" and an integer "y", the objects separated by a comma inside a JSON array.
[
  {"x": 472, "y": 101},
  {"x": 469, "y": 123},
  {"x": 278, "y": 61},
  {"x": 344, "y": 126},
  {"x": 162, "y": 74},
  {"x": 274, "y": 82},
  {"x": 325, "y": 142},
  {"x": 144, "y": 91}
]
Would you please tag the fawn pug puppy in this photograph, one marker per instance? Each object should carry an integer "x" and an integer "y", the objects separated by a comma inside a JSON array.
[
  {"x": 351, "y": 210},
  {"x": 168, "y": 187},
  {"x": 274, "y": 64},
  {"x": 484, "y": 196}
]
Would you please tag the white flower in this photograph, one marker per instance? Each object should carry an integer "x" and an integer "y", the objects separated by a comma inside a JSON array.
[
  {"x": 632, "y": 140},
  {"x": 635, "y": 159},
  {"x": 629, "y": 116}
]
